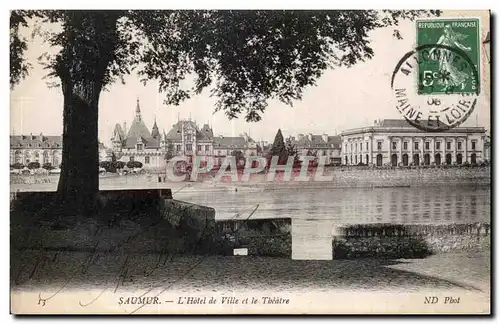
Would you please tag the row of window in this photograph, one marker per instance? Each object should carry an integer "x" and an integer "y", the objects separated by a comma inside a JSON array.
[
  {"x": 405, "y": 145},
  {"x": 146, "y": 159},
  {"x": 416, "y": 159},
  {"x": 55, "y": 160},
  {"x": 189, "y": 147},
  {"x": 37, "y": 145}
]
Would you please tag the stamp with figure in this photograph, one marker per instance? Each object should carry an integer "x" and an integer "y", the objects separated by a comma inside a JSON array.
[
  {"x": 445, "y": 71},
  {"x": 436, "y": 85}
]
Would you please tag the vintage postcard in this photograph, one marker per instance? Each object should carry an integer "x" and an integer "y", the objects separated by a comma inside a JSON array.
[{"x": 250, "y": 162}]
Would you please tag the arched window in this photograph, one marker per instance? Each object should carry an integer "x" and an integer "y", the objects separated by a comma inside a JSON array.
[
  {"x": 448, "y": 159},
  {"x": 405, "y": 159},
  {"x": 427, "y": 159},
  {"x": 55, "y": 159},
  {"x": 18, "y": 157},
  {"x": 437, "y": 159},
  {"x": 394, "y": 160},
  {"x": 416, "y": 159}
]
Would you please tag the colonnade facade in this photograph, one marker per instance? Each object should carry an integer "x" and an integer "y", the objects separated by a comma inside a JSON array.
[{"x": 406, "y": 146}]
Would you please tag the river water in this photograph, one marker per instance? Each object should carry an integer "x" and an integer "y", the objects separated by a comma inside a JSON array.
[
  {"x": 317, "y": 213},
  {"x": 419, "y": 205}
]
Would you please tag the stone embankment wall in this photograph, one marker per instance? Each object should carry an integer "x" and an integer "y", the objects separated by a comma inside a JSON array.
[
  {"x": 378, "y": 240},
  {"x": 362, "y": 177},
  {"x": 410, "y": 241},
  {"x": 131, "y": 221}
]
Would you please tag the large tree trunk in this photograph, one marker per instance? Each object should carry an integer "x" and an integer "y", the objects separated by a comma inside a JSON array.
[
  {"x": 79, "y": 179},
  {"x": 89, "y": 44}
]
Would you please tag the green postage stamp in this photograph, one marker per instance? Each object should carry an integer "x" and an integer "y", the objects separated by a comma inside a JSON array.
[{"x": 446, "y": 69}]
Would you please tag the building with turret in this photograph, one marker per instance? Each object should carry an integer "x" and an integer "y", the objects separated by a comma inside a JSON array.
[
  {"x": 185, "y": 138},
  {"x": 138, "y": 144}
]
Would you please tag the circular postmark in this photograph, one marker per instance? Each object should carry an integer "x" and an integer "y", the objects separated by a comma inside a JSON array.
[{"x": 435, "y": 87}]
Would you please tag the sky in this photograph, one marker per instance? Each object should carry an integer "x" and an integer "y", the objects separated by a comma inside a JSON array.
[{"x": 343, "y": 98}]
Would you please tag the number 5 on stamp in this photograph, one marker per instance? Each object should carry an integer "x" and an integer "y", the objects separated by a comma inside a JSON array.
[{"x": 442, "y": 69}]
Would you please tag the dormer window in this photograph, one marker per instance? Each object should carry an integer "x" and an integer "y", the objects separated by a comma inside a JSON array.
[{"x": 140, "y": 147}]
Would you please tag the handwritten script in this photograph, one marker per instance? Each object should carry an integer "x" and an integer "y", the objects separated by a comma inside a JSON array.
[{"x": 128, "y": 269}]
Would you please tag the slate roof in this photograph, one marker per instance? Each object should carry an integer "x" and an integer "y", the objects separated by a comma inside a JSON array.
[
  {"x": 317, "y": 141},
  {"x": 393, "y": 123},
  {"x": 203, "y": 134},
  {"x": 155, "y": 133},
  {"x": 138, "y": 128},
  {"x": 229, "y": 142},
  {"x": 335, "y": 140},
  {"x": 149, "y": 143},
  {"x": 119, "y": 131},
  {"x": 35, "y": 141}
]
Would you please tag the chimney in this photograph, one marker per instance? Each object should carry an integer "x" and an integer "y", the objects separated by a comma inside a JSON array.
[
  {"x": 325, "y": 138},
  {"x": 41, "y": 137},
  {"x": 300, "y": 136},
  {"x": 310, "y": 136},
  {"x": 125, "y": 128}
]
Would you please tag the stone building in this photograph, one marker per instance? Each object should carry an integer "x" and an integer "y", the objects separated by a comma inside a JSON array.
[
  {"x": 395, "y": 142},
  {"x": 138, "y": 144},
  {"x": 487, "y": 148},
  {"x": 319, "y": 145},
  {"x": 187, "y": 139},
  {"x": 229, "y": 146},
  {"x": 36, "y": 148}
]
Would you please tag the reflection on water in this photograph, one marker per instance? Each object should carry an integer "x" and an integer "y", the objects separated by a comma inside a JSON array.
[
  {"x": 353, "y": 206},
  {"x": 317, "y": 213}
]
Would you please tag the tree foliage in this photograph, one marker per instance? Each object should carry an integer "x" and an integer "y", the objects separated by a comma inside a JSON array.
[
  {"x": 170, "y": 151},
  {"x": 238, "y": 155},
  {"x": 291, "y": 148},
  {"x": 34, "y": 165},
  {"x": 48, "y": 166},
  {"x": 17, "y": 165},
  {"x": 278, "y": 147},
  {"x": 134, "y": 164},
  {"x": 244, "y": 57}
]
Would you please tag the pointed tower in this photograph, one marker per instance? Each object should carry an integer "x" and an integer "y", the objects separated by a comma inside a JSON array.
[
  {"x": 138, "y": 110},
  {"x": 163, "y": 141},
  {"x": 155, "y": 133},
  {"x": 118, "y": 138},
  {"x": 138, "y": 128}
]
